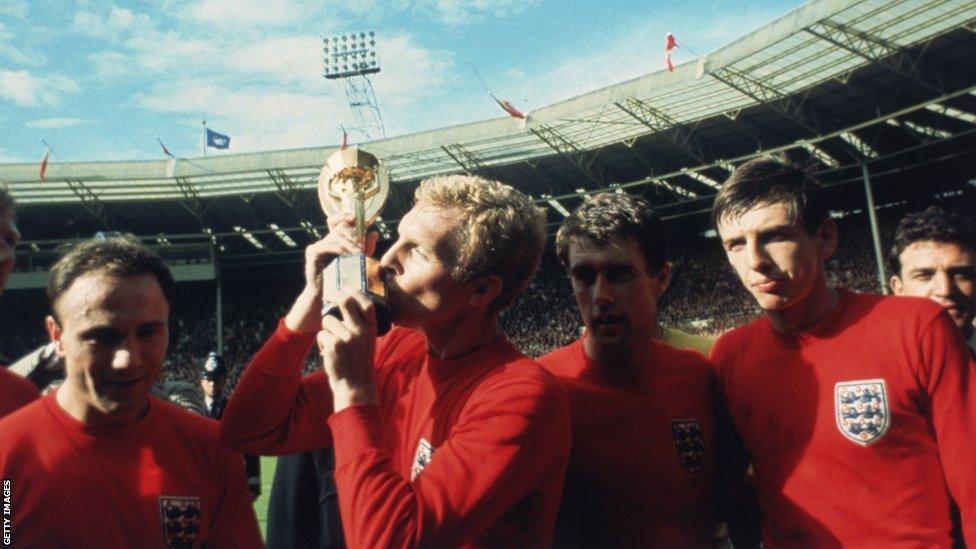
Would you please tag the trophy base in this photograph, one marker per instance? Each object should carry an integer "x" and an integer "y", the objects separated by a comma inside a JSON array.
[{"x": 357, "y": 272}]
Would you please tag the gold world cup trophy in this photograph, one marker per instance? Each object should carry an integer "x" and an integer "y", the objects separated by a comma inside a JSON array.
[{"x": 355, "y": 182}]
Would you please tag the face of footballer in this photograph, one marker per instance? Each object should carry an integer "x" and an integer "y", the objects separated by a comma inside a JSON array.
[
  {"x": 420, "y": 290},
  {"x": 112, "y": 333},
  {"x": 944, "y": 272},
  {"x": 617, "y": 296},
  {"x": 9, "y": 237},
  {"x": 774, "y": 256}
]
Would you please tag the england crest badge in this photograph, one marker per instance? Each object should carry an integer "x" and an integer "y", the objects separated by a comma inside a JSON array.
[
  {"x": 689, "y": 443},
  {"x": 425, "y": 453},
  {"x": 862, "y": 410},
  {"x": 181, "y": 518}
]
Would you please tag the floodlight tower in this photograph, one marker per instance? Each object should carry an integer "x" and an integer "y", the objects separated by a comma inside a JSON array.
[{"x": 350, "y": 59}]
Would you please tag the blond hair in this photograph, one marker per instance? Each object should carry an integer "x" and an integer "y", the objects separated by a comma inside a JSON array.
[{"x": 501, "y": 232}]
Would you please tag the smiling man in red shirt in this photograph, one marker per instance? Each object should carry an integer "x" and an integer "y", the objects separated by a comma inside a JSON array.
[
  {"x": 99, "y": 462},
  {"x": 858, "y": 411},
  {"x": 934, "y": 256}
]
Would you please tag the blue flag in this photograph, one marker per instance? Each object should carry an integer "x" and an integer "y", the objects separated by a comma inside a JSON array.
[{"x": 217, "y": 140}]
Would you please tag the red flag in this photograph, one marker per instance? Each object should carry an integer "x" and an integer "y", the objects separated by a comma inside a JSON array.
[
  {"x": 508, "y": 107},
  {"x": 43, "y": 170},
  {"x": 345, "y": 140},
  {"x": 165, "y": 150},
  {"x": 669, "y": 44}
]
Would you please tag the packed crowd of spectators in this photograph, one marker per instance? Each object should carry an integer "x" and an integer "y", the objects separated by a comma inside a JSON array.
[{"x": 704, "y": 298}]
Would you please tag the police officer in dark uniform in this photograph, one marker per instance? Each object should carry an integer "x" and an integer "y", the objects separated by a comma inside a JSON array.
[{"x": 213, "y": 377}]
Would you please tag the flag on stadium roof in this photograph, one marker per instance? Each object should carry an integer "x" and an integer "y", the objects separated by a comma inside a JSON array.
[
  {"x": 345, "y": 139},
  {"x": 217, "y": 140},
  {"x": 669, "y": 44},
  {"x": 43, "y": 168},
  {"x": 507, "y": 106},
  {"x": 165, "y": 150}
]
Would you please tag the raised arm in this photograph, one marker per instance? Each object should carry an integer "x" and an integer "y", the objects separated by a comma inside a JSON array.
[{"x": 273, "y": 410}]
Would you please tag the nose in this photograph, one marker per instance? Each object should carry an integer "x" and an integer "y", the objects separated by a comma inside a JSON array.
[
  {"x": 942, "y": 284},
  {"x": 602, "y": 290},
  {"x": 390, "y": 261},
  {"x": 125, "y": 356},
  {"x": 756, "y": 256}
]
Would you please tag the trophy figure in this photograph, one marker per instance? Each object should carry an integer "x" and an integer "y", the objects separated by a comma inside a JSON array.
[{"x": 355, "y": 182}]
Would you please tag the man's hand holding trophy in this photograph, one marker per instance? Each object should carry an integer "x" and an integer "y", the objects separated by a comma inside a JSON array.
[{"x": 354, "y": 183}]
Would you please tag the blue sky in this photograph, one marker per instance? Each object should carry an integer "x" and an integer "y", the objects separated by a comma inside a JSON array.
[{"x": 101, "y": 80}]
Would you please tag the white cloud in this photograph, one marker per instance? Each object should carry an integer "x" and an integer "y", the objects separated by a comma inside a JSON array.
[
  {"x": 15, "y": 55},
  {"x": 109, "y": 64},
  {"x": 7, "y": 158},
  {"x": 244, "y": 14},
  {"x": 18, "y": 9},
  {"x": 26, "y": 90},
  {"x": 53, "y": 122},
  {"x": 287, "y": 59},
  {"x": 111, "y": 25},
  {"x": 456, "y": 12},
  {"x": 255, "y": 118},
  {"x": 162, "y": 51},
  {"x": 410, "y": 72}
]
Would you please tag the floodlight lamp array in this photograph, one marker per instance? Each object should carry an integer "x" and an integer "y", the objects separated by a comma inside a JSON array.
[{"x": 350, "y": 55}]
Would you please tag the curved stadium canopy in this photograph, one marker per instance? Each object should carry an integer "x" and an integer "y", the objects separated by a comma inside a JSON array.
[{"x": 884, "y": 84}]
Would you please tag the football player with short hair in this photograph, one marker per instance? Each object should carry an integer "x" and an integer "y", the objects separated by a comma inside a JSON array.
[
  {"x": 858, "y": 411},
  {"x": 99, "y": 462}
]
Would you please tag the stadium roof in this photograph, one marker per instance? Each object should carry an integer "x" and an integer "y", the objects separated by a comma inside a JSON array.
[{"x": 837, "y": 83}]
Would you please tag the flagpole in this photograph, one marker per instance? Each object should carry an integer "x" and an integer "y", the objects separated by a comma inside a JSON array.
[{"x": 204, "y": 138}]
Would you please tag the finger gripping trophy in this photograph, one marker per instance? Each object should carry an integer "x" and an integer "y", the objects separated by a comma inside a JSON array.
[{"x": 355, "y": 182}]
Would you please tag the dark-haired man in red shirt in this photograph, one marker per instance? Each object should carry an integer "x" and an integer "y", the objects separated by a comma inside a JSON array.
[
  {"x": 642, "y": 468},
  {"x": 100, "y": 462},
  {"x": 858, "y": 411}
]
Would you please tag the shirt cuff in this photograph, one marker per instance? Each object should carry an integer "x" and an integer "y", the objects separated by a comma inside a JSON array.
[{"x": 355, "y": 431}]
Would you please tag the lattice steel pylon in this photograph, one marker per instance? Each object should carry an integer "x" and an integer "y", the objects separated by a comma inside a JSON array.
[{"x": 351, "y": 59}]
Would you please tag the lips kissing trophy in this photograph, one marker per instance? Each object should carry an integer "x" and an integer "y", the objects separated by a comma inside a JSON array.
[{"x": 355, "y": 182}]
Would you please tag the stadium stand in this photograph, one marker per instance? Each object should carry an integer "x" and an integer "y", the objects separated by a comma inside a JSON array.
[{"x": 704, "y": 298}]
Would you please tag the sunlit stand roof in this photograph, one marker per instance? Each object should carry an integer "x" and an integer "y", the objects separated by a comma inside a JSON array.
[{"x": 819, "y": 43}]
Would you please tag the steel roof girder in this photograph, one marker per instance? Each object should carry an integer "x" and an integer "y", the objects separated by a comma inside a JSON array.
[
  {"x": 90, "y": 202},
  {"x": 192, "y": 202},
  {"x": 290, "y": 193},
  {"x": 662, "y": 122},
  {"x": 790, "y": 105},
  {"x": 874, "y": 49},
  {"x": 570, "y": 151},
  {"x": 468, "y": 161}
]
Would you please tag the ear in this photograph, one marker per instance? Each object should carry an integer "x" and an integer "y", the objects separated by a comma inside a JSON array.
[
  {"x": 895, "y": 283},
  {"x": 370, "y": 245},
  {"x": 827, "y": 235},
  {"x": 663, "y": 278},
  {"x": 485, "y": 290},
  {"x": 54, "y": 331}
]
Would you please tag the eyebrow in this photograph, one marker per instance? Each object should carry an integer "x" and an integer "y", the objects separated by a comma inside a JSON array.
[{"x": 108, "y": 330}]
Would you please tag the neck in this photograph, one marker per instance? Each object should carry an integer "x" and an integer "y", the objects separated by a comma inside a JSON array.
[
  {"x": 81, "y": 410},
  {"x": 620, "y": 366},
  {"x": 808, "y": 311},
  {"x": 461, "y": 336}
]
